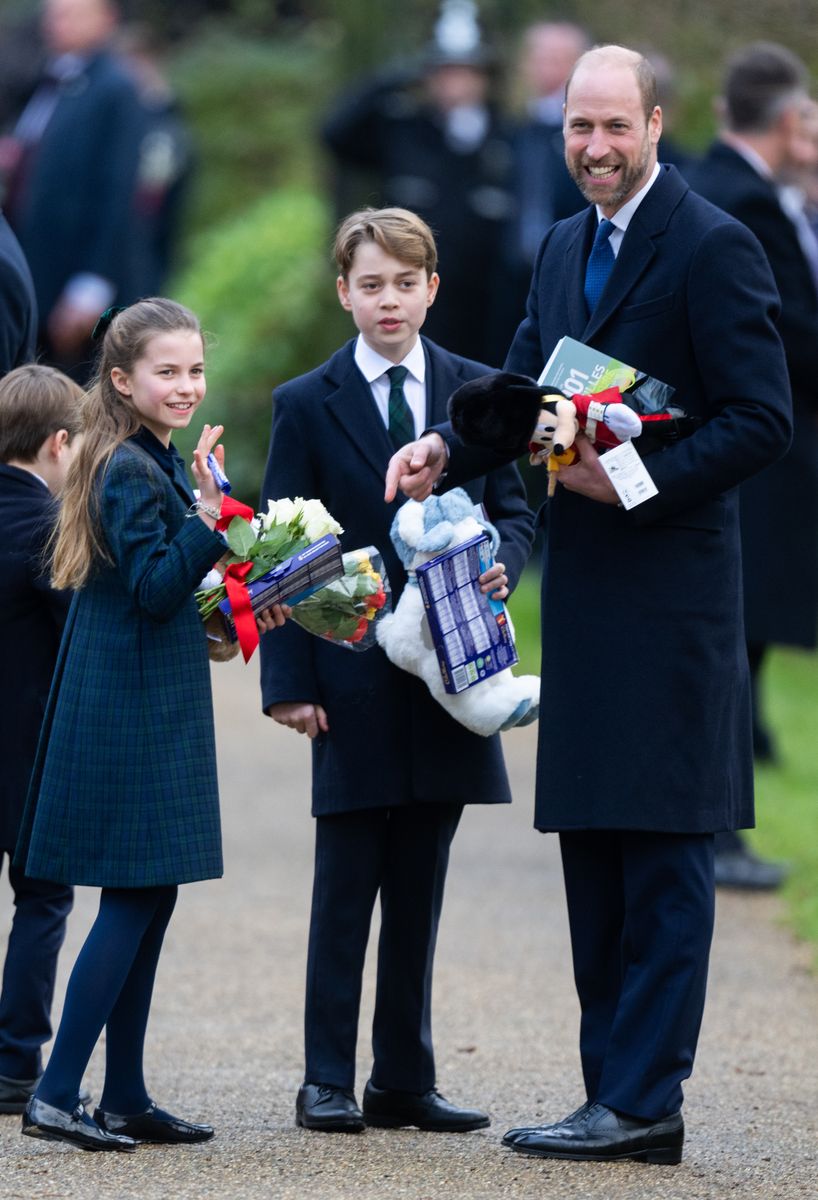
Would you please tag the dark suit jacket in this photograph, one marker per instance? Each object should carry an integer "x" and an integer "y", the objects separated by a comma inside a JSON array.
[
  {"x": 124, "y": 790},
  {"x": 389, "y": 741},
  {"x": 73, "y": 210},
  {"x": 779, "y": 507},
  {"x": 32, "y": 616},
  {"x": 18, "y": 308},
  {"x": 645, "y": 720}
]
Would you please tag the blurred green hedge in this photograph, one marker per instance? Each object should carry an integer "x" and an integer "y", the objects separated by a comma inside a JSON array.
[{"x": 264, "y": 291}]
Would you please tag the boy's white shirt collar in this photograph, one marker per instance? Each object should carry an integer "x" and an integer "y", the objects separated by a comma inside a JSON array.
[
  {"x": 622, "y": 219},
  {"x": 372, "y": 365}
]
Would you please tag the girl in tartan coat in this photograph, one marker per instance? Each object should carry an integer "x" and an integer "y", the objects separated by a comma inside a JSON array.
[{"x": 123, "y": 794}]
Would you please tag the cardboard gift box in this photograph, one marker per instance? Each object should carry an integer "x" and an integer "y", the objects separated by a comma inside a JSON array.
[
  {"x": 470, "y": 632},
  {"x": 298, "y": 577}
]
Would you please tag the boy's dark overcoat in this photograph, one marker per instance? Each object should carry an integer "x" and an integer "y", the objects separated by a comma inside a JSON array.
[
  {"x": 32, "y": 616},
  {"x": 389, "y": 741}
]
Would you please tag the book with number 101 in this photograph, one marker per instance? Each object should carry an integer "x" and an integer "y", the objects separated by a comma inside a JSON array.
[{"x": 579, "y": 370}]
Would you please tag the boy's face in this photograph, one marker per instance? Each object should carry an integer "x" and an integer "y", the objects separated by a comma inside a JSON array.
[{"x": 388, "y": 300}]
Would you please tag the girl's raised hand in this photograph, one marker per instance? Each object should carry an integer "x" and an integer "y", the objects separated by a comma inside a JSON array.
[{"x": 209, "y": 490}]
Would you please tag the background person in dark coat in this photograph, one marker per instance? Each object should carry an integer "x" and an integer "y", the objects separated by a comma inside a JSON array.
[
  {"x": 70, "y": 193},
  {"x": 764, "y": 102},
  {"x": 18, "y": 307},
  {"x": 544, "y": 191},
  {"x": 40, "y": 418},
  {"x": 433, "y": 141},
  {"x": 652, "y": 730},
  {"x": 391, "y": 769}
]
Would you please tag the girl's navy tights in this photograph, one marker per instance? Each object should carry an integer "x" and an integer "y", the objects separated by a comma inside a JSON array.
[{"x": 111, "y": 986}]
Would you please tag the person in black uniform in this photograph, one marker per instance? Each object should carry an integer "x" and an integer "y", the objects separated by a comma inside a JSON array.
[{"x": 434, "y": 141}]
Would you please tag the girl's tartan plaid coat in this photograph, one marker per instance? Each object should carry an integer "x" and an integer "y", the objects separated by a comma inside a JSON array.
[{"x": 124, "y": 791}]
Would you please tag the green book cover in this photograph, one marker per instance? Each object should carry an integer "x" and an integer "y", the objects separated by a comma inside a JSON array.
[{"x": 579, "y": 370}]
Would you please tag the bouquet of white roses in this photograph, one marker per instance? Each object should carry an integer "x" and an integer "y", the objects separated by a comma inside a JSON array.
[{"x": 275, "y": 557}]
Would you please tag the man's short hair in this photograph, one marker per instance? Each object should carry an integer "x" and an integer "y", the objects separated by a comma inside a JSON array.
[
  {"x": 760, "y": 81},
  {"x": 35, "y": 402},
  {"x": 397, "y": 231},
  {"x": 623, "y": 56}
]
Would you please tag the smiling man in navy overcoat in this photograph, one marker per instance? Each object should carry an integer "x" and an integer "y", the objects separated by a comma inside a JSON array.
[{"x": 651, "y": 728}]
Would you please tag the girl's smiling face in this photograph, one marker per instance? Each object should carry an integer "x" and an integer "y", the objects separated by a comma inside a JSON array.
[{"x": 167, "y": 382}]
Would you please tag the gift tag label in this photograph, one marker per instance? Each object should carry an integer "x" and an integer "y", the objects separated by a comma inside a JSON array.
[{"x": 628, "y": 474}]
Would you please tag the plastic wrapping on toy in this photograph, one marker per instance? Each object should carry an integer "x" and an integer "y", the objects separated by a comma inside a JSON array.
[{"x": 346, "y": 611}]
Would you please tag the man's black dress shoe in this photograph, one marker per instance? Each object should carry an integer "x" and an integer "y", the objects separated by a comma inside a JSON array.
[
  {"x": 76, "y": 1127},
  {"x": 747, "y": 872},
  {"x": 599, "y": 1134},
  {"x": 154, "y": 1125},
  {"x": 514, "y": 1134},
  {"x": 389, "y": 1109},
  {"x": 16, "y": 1093},
  {"x": 331, "y": 1109}
]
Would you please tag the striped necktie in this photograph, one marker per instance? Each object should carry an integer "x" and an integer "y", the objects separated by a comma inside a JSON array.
[
  {"x": 401, "y": 421},
  {"x": 600, "y": 264}
]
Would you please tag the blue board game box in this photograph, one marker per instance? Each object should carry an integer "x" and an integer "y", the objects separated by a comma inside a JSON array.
[
  {"x": 312, "y": 568},
  {"x": 470, "y": 632}
]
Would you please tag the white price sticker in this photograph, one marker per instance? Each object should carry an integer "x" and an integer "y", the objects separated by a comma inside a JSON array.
[{"x": 628, "y": 474}]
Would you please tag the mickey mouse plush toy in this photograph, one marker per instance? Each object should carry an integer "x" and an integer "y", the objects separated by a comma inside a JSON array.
[{"x": 512, "y": 413}]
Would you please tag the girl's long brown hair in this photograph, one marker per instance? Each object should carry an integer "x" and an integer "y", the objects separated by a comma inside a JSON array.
[{"x": 109, "y": 418}]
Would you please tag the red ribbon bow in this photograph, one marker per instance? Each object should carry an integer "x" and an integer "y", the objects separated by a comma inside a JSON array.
[{"x": 241, "y": 608}]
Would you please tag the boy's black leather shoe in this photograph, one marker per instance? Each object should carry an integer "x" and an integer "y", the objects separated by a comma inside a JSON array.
[
  {"x": 76, "y": 1127},
  {"x": 154, "y": 1125},
  {"x": 331, "y": 1109},
  {"x": 389, "y": 1109},
  {"x": 15, "y": 1093},
  {"x": 599, "y": 1134}
]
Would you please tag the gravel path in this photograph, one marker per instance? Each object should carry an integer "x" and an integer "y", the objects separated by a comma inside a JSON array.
[{"x": 225, "y": 1041}]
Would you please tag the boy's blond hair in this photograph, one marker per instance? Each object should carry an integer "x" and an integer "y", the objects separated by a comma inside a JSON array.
[{"x": 397, "y": 231}]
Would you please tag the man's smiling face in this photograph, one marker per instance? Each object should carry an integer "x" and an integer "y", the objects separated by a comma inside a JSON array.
[{"x": 610, "y": 143}]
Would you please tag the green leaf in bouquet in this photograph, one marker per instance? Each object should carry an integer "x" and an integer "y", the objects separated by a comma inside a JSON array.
[
  {"x": 345, "y": 628},
  {"x": 272, "y": 541},
  {"x": 241, "y": 537}
]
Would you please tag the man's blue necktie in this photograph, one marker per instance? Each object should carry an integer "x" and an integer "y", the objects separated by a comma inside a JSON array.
[
  {"x": 600, "y": 264},
  {"x": 401, "y": 421}
]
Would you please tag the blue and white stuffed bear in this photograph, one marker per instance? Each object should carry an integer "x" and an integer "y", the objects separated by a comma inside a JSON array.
[{"x": 419, "y": 532}]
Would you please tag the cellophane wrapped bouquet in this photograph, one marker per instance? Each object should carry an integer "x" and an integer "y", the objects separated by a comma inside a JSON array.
[{"x": 346, "y": 611}]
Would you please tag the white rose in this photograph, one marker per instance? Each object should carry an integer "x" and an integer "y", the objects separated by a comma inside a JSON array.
[
  {"x": 317, "y": 521},
  {"x": 279, "y": 512}
]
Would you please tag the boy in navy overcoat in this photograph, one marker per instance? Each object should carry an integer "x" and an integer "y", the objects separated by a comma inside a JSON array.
[
  {"x": 391, "y": 770},
  {"x": 39, "y": 421}
]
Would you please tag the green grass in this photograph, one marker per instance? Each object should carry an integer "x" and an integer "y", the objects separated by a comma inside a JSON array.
[{"x": 786, "y": 794}]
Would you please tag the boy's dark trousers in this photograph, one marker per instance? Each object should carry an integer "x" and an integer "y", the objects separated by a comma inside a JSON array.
[
  {"x": 401, "y": 852},
  {"x": 37, "y": 933}
]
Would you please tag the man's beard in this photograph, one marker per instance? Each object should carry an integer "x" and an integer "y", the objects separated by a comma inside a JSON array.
[{"x": 630, "y": 176}]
